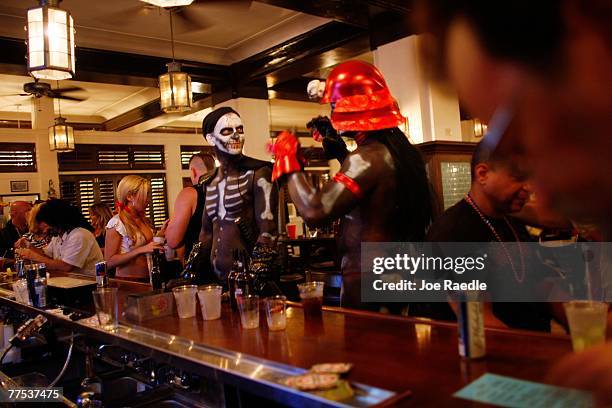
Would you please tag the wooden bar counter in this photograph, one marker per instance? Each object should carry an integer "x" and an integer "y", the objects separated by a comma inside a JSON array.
[{"x": 404, "y": 355}]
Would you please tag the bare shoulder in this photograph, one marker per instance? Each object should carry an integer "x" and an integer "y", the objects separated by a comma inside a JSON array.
[{"x": 186, "y": 196}]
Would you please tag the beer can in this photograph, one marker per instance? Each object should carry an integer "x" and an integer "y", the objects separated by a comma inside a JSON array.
[
  {"x": 101, "y": 276},
  {"x": 471, "y": 330},
  {"x": 42, "y": 270}
]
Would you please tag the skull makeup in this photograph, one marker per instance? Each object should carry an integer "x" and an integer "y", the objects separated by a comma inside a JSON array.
[{"x": 228, "y": 135}]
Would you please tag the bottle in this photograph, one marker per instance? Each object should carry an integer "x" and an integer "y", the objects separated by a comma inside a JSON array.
[
  {"x": 31, "y": 275},
  {"x": 40, "y": 285},
  {"x": 470, "y": 324},
  {"x": 243, "y": 283},
  {"x": 101, "y": 275},
  {"x": 155, "y": 274},
  {"x": 231, "y": 282}
]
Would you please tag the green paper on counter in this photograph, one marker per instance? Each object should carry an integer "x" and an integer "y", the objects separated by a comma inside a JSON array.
[{"x": 514, "y": 393}]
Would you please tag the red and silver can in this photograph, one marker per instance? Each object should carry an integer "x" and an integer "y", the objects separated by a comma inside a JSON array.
[{"x": 101, "y": 275}]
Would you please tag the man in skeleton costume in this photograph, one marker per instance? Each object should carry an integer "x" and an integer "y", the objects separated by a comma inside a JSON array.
[
  {"x": 240, "y": 208},
  {"x": 381, "y": 189}
]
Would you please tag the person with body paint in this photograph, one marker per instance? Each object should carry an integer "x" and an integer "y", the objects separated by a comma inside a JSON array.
[
  {"x": 381, "y": 190},
  {"x": 241, "y": 200}
]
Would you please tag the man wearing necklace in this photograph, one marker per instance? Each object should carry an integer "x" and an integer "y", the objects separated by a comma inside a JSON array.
[{"x": 499, "y": 188}]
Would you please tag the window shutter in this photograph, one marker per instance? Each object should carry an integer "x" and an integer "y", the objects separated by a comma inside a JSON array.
[
  {"x": 114, "y": 157},
  {"x": 158, "y": 209},
  {"x": 188, "y": 151},
  {"x": 17, "y": 157},
  {"x": 68, "y": 192},
  {"x": 86, "y": 196},
  {"x": 107, "y": 192},
  {"x": 148, "y": 157}
]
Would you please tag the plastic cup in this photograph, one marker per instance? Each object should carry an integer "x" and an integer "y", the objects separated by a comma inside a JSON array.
[
  {"x": 311, "y": 294},
  {"x": 107, "y": 308},
  {"x": 276, "y": 313},
  {"x": 185, "y": 297},
  {"x": 210, "y": 301},
  {"x": 587, "y": 322},
  {"x": 249, "y": 311},
  {"x": 292, "y": 231},
  {"x": 20, "y": 289}
]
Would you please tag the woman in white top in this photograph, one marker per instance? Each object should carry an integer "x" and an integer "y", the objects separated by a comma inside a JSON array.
[
  {"x": 73, "y": 247},
  {"x": 129, "y": 234}
]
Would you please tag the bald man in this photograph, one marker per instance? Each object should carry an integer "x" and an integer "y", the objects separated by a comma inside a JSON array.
[
  {"x": 186, "y": 222},
  {"x": 15, "y": 228}
]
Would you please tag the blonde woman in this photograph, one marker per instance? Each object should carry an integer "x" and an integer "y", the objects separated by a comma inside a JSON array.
[
  {"x": 129, "y": 234},
  {"x": 35, "y": 237},
  {"x": 100, "y": 215}
]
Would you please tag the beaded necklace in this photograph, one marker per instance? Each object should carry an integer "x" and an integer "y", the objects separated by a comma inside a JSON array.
[{"x": 519, "y": 278}]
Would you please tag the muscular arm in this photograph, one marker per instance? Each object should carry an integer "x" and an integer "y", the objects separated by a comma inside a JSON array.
[
  {"x": 184, "y": 208},
  {"x": 336, "y": 198},
  {"x": 265, "y": 202}
]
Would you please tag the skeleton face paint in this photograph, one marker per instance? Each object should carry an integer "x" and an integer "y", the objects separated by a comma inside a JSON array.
[{"x": 228, "y": 135}]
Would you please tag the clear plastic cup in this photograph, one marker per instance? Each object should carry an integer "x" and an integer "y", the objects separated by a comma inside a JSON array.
[
  {"x": 210, "y": 301},
  {"x": 185, "y": 297},
  {"x": 249, "y": 311},
  {"x": 311, "y": 294},
  {"x": 107, "y": 308},
  {"x": 276, "y": 313},
  {"x": 20, "y": 289},
  {"x": 587, "y": 322}
]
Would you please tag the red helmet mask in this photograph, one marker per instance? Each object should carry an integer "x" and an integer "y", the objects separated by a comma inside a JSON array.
[{"x": 360, "y": 98}]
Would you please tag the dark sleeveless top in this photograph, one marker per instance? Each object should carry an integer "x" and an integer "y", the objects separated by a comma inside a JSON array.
[{"x": 192, "y": 234}]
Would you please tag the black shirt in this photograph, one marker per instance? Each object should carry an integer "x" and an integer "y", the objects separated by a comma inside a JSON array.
[
  {"x": 192, "y": 234},
  {"x": 461, "y": 223},
  {"x": 8, "y": 236}
]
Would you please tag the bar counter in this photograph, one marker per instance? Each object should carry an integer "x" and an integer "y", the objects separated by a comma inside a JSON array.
[{"x": 416, "y": 359}]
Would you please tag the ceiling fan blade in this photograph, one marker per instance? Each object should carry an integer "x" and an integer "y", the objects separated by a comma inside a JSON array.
[
  {"x": 69, "y": 98},
  {"x": 188, "y": 21},
  {"x": 125, "y": 17},
  {"x": 230, "y": 5},
  {"x": 17, "y": 94},
  {"x": 67, "y": 89}
]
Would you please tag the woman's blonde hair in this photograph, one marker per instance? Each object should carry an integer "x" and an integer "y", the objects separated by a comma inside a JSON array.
[
  {"x": 103, "y": 212},
  {"x": 138, "y": 187},
  {"x": 32, "y": 224}
]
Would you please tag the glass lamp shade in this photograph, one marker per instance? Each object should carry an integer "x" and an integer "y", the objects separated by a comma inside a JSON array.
[
  {"x": 50, "y": 43},
  {"x": 175, "y": 90},
  {"x": 168, "y": 3},
  {"x": 61, "y": 136}
]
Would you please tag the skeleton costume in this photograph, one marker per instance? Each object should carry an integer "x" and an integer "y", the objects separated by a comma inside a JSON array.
[
  {"x": 240, "y": 195},
  {"x": 381, "y": 191}
]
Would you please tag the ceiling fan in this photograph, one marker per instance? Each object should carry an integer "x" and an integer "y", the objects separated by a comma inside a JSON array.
[
  {"x": 39, "y": 89},
  {"x": 188, "y": 19}
]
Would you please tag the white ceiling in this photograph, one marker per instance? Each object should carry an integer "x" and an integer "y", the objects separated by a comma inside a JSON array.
[
  {"x": 136, "y": 27},
  {"x": 104, "y": 101}
]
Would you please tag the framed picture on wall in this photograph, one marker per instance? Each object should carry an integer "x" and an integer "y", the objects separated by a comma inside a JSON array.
[{"x": 20, "y": 186}]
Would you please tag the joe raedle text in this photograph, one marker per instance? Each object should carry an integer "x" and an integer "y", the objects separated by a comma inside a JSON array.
[{"x": 428, "y": 286}]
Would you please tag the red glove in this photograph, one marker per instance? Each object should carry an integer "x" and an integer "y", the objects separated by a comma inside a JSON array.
[{"x": 286, "y": 159}]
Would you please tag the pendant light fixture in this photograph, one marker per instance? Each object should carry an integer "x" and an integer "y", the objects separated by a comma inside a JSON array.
[
  {"x": 61, "y": 135},
  {"x": 50, "y": 41},
  {"x": 175, "y": 86},
  {"x": 168, "y": 3}
]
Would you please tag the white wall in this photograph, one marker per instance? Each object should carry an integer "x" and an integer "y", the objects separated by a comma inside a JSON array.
[
  {"x": 47, "y": 160},
  {"x": 431, "y": 108}
]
